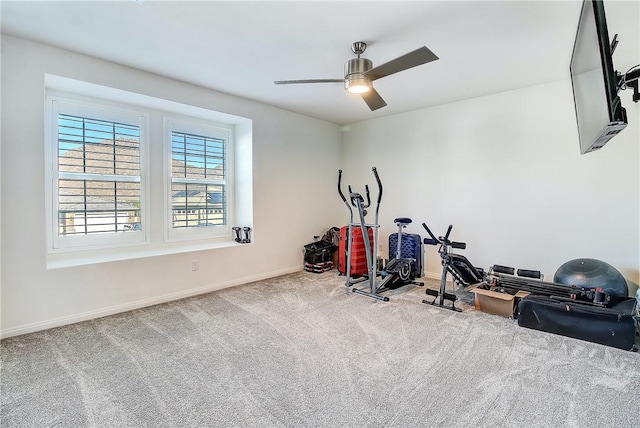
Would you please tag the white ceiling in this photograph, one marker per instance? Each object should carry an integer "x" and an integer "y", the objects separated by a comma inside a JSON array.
[{"x": 241, "y": 47}]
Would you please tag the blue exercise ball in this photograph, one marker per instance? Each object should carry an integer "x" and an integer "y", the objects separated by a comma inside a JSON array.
[{"x": 592, "y": 273}]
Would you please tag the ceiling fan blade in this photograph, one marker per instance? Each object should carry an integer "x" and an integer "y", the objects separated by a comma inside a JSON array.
[
  {"x": 373, "y": 99},
  {"x": 289, "y": 82},
  {"x": 418, "y": 57}
]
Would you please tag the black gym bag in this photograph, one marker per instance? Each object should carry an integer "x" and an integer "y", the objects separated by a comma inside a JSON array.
[
  {"x": 612, "y": 326},
  {"x": 318, "y": 252},
  {"x": 321, "y": 251}
]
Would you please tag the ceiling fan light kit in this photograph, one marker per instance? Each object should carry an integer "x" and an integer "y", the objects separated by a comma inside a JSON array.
[
  {"x": 359, "y": 73},
  {"x": 355, "y": 80}
]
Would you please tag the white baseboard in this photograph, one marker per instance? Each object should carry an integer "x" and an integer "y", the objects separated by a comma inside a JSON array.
[
  {"x": 111, "y": 310},
  {"x": 437, "y": 275},
  {"x": 433, "y": 275}
]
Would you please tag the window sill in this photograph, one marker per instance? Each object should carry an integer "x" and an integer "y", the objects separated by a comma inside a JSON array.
[{"x": 82, "y": 258}]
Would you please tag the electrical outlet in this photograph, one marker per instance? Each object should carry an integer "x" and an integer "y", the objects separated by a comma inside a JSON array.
[{"x": 195, "y": 265}]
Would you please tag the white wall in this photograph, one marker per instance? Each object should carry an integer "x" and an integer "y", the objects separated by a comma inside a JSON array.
[
  {"x": 506, "y": 171},
  {"x": 295, "y": 159}
]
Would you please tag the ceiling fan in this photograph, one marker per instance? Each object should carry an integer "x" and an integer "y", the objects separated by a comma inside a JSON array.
[{"x": 359, "y": 73}]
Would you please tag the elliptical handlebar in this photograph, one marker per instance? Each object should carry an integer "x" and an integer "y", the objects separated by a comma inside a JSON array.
[
  {"x": 353, "y": 196},
  {"x": 364, "y": 203},
  {"x": 344, "y": 199},
  {"x": 366, "y": 190},
  {"x": 375, "y": 173}
]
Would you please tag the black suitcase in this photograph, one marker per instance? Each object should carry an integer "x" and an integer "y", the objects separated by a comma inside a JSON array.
[
  {"x": 410, "y": 248},
  {"x": 612, "y": 326}
]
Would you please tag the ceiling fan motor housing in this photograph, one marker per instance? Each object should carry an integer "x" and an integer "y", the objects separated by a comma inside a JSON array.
[{"x": 354, "y": 70}]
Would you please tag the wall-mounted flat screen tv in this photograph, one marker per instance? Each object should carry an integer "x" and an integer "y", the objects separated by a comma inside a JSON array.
[{"x": 599, "y": 113}]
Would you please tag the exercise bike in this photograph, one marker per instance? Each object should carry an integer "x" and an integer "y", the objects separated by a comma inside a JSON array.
[
  {"x": 402, "y": 269},
  {"x": 399, "y": 271},
  {"x": 462, "y": 271}
]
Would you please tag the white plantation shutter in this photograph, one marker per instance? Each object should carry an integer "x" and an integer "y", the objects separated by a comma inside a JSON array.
[
  {"x": 97, "y": 196},
  {"x": 199, "y": 180},
  {"x": 98, "y": 176},
  {"x": 198, "y": 185}
]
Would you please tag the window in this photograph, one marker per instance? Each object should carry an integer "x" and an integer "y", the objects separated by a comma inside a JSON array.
[
  {"x": 96, "y": 173},
  {"x": 200, "y": 179},
  {"x": 130, "y": 175}
]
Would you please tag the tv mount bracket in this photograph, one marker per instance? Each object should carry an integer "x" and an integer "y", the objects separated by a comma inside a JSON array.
[{"x": 628, "y": 79}]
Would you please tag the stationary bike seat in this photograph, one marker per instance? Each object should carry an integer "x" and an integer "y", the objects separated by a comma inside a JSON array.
[{"x": 403, "y": 220}]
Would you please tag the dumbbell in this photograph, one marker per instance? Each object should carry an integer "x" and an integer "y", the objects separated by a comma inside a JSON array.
[
  {"x": 237, "y": 231},
  {"x": 247, "y": 238}
]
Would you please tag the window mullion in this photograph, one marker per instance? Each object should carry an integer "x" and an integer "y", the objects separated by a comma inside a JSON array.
[
  {"x": 84, "y": 146},
  {"x": 115, "y": 206},
  {"x": 86, "y": 205},
  {"x": 114, "y": 157}
]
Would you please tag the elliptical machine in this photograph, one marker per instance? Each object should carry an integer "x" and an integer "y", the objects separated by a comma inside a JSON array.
[
  {"x": 399, "y": 270},
  {"x": 461, "y": 270}
]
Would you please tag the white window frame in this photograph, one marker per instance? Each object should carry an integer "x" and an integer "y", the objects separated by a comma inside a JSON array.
[
  {"x": 64, "y": 104},
  {"x": 209, "y": 129}
]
